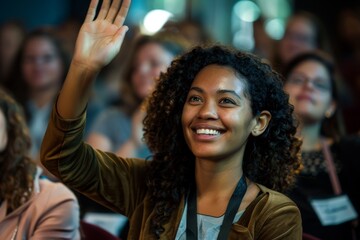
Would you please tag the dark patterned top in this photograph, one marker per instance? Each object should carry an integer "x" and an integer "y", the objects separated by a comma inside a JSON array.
[
  {"x": 314, "y": 182},
  {"x": 314, "y": 163}
]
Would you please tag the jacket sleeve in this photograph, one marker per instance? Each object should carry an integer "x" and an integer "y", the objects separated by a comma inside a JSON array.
[
  {"x": 281, "y": 221},
  {"x": 272, "y": 215},
  {"x": 114, "y": 182},
  {"x": 59, "y": 218}
]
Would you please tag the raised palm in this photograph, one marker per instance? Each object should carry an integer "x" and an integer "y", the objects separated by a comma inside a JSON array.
[{"x": 100, "y": 39}]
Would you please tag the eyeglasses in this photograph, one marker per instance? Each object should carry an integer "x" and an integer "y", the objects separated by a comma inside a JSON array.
[
  {"x": 44, "y": 59},
  {"x": 317, "y": 83}
]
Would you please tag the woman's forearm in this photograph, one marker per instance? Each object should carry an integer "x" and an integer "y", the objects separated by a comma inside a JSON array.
[{"x": 76, "y": 90}]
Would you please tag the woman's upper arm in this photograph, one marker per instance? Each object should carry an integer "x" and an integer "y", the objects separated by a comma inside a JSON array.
[{"x": 102, "y": 176}]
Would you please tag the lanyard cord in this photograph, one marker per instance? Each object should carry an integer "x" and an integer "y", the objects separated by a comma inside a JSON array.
[
  {"x": 331, "y": 167},
  {"x": 231, "y": 210},
  {"x": 14, "y": 233}
]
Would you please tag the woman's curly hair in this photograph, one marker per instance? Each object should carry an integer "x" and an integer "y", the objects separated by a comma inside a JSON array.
[
  {"x": 17, "y": 170},
  {"x": 271, "y": 159}
]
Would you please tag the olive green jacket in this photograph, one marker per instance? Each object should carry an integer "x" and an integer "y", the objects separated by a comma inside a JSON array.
[{"x": 119, "y": 184}]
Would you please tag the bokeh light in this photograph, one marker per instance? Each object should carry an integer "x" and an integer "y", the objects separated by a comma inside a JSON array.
[
  {"x": 247, "y": 11},
  {"x": 154, "y": 20}
]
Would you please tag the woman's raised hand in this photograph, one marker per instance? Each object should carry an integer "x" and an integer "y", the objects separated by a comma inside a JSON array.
[
  {"x": 98, "y": 42},
  {"x": 100, "y": 38}
]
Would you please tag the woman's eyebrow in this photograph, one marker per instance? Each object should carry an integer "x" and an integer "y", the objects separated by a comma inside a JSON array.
[
  {"x": 220, "y": 91},
  {"x": 232, "y": 92},
  {"x": 197, "y": 89}
]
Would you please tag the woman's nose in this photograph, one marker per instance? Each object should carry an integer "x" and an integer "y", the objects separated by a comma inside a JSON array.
[
  {"x": 308, "y": 84},
  {"x": 144, "y": 68},
  {"x": 208, "y": 111}
]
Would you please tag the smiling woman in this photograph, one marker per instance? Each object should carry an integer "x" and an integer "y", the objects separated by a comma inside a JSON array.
[
  {"x": 330, "y": 160},
  {"x": 221, "y": 131},
  {"x": 237, "y": 99},
  {"x": 217, "y": 118}
]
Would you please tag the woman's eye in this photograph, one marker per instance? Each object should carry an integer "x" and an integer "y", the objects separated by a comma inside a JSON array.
[
  {"x": 297, "y": 80},
  {"x": 155, "y": 64},
  {"x": 227, "y": 101},
  {"x": 194, "y": 99},
  {"x": 322, "y": 86}
]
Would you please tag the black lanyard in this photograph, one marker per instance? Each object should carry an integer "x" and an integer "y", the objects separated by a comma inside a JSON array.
[{"x": 231, "y": 210}]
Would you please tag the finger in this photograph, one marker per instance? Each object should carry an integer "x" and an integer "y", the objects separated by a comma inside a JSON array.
[
  {"x": 91, "y": 11},
  {"x": 113, "y": 10},
  {"x": 120, "y": 18},
  {"x": 104, "y": 9}
]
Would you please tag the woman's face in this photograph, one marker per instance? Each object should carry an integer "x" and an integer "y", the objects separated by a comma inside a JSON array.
[
  {"x": 151, "y": 59},
  {"x": 42, "y": 67},
  {"x": 299, "y": 37},
  {"x": 310, "y": 91},
  {"x": 3, "y": 132},
  {"x": 217, "y": 117}
]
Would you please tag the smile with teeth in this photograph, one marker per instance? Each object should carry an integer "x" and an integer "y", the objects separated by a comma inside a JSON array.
[{"x": 207, "y": 131}]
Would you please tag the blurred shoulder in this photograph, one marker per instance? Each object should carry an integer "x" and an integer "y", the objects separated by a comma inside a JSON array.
[{"x": 56, "y": 191}]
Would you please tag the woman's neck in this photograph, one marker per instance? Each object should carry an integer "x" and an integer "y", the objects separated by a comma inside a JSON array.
[
  {"x": 215, "y": 183},
  {"x": 211, "y": 179},
  {"x": 311, "y": 137}
]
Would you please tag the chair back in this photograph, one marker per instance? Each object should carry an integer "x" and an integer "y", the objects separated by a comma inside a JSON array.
[
  {"x": 307, "y": 236},
  {"x": 91, "y": 231}
]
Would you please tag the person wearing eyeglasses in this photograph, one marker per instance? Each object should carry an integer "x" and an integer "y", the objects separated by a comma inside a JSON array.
[{"x": 325, "y": 190}]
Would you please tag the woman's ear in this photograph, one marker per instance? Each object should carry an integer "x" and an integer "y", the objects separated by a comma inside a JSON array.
[{"x": 262, "y": 121}]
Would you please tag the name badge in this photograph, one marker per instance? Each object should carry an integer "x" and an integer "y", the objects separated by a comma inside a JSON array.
[{"x": 334, "y": 210}]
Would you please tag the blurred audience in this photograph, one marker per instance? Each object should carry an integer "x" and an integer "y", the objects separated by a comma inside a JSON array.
[
  {"x": 33, "y": 66},
  {"x": 12, "y": 34},
  {"x": 347, "y": 52},
  {"x": 67, "y": 33},
  {"x": 330, "y": 159},
  {"x": 193, "y": 30},
  {"x": 30, "y": 207},
  {"x": 304, "y": 31},
  {"x": 264, "y": 44}
]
